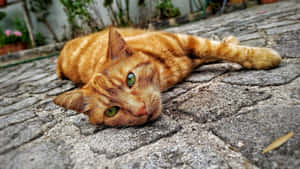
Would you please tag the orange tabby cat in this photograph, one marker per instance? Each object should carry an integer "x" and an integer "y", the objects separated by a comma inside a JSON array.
[{"x": 124, "y": 70}]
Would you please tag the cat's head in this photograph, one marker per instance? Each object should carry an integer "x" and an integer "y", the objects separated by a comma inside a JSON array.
[{"x": 125, "y": 92}]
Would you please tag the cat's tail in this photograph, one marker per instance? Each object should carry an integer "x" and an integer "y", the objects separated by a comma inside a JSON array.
[{"x": 229, "y": 50}]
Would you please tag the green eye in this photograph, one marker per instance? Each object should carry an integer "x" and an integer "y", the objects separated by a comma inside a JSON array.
[
  {"x": 112, "y": 111},
  {"x": 130, "y": 79}
]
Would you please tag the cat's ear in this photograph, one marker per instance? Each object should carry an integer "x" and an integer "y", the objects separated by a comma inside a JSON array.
[
  {"x": 117, "y": 47},
  {"x": 74, "y": 100}
]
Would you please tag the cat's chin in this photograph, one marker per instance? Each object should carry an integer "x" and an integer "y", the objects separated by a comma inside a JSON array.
[
  {"x": 156, "y": 111},
  {"x": 153, "y": 106}
]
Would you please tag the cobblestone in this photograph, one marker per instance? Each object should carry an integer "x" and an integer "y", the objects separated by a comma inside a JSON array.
[
  {"x": 283, "y": 29},
  {"x": 190, "y": 148},
  {"x": 219, "y": 101},
  {"x": 276, "y": 24},
  {"x": 281, "y": 75},
  {"x": 39, "y": 156},
  {"x": 221, "y": 116},
  {"x": 206, "y": 73},
  {"x": 16, "y": 135},
  {"x": 16, "y": 117},
  {"x": 19, "y": 105},
  {"x": 250, "y": 132},
  {"x": 119, "y": 142}
]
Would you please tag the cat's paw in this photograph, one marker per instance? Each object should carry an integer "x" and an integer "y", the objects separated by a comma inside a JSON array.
[
  {"x": 264, "y": 58},
  {"x": 231, "y": 40}
]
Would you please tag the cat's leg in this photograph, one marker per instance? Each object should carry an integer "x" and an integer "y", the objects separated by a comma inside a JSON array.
[
  {"x": 249, "y": 57},
  {"x": 227, "y": 39},
  {"x": 231, "y": 39}
]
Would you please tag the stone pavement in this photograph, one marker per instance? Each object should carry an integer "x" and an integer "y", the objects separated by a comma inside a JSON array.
[{"x": 221, "y": 116}]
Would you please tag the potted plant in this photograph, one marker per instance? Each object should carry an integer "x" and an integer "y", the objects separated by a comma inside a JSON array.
[
  {"x": 165, "y": 9},
  {"x": 267, "y": 1},
  {"x": 2, "y": 2},
  {"x": 11, "y": 41}
]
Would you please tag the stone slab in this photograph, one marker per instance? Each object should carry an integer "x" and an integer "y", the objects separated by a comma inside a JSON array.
[
  {"x": 288, "y": 44},
  {"x": 219, "y": 100},
  {"x": 16, "y": 135},
  {"x": 206, "y": 73},
  {"x": 190, "y": 148},
  {"x": 16, "y": 117},
  {"x": 283, "y": 29},
  {"x": 283, "y": 74},
  {"x": 39, "y": 156},
  {"x": 19, "y": 105},
  {"x": 275, "y": 24},
  {"x": 114, "y": 142},
  {"x": 252, "y": 131}
]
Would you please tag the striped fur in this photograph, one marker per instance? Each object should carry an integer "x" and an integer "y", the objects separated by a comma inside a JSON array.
[{"x": 102, "y": 62}]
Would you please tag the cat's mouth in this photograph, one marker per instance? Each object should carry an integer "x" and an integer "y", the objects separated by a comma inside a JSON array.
[
  {"x": 149, "y": 117},
  {"x": 150, "y": 112},
  {"x": 154, "y": 112}
]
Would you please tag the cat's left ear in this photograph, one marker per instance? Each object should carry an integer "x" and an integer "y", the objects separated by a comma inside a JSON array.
[
  {"x": 74, "y": 100},
  {"x": 117, "y": 47}
]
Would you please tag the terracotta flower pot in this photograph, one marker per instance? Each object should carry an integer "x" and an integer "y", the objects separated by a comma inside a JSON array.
[
  {"x": 267, "y": 1},
  {"x": 12, "y": 48},
  {"x": 2, "y": 2}
]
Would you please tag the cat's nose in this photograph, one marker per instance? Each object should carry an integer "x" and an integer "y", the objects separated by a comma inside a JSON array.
[{"x": 141, "y": 111}]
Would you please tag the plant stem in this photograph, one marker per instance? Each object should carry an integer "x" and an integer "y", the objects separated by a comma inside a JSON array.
[
  {"x": 44, "y": 21},
  {"x": 28, "y": 22}
]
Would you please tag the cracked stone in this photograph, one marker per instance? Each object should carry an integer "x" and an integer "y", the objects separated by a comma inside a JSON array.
[
  {"x": 275, "y": 24},
  {"x": 86, "y": 128},
  {"x": 283, "y": 74},
  {"x": 64, "y": 88},
  {"x": 206, "y": 73},
  {"x": 16, "y": 135},
  {"x": 16, "y": 71},
  {"x": 46, "y": 80},
  {"x": 283, "y": 15},
  {"x": 220, "y": 100},
  {"x": 258, "y": 128},
  {"x": 16, "y": 117},
  {"x": 45, "y": 62},
  {"x": 46, "y": 105},
  {"x": 28, "y": 74},
  {"x": 35, "y": 78},
  {"x": 39, "y": 156},
  {"x": 296, "y": 93},
  {"x": 19, "y": 105},
  {"x": 8, "y": 101},
  {"x": 288, "y": 45},
  {"x": 283, "y": 29},
  {"x": 8, "y": 83},
  {"x": 167, "y": 96},
  {"x": 114, "y": 142},
  {"x": 45, "y": 116},
  {"x": 249, "y": 37},
  {"x": 204, "y": 76},
  {"x": 8, "y": 89},
  {"x": 241, "y": 31},
  {"x": 254, "y": 43},
  {"x": 41, "y": 89},
  {"x": 294, "y": 17},
  {"x": 189, "y": 148}
]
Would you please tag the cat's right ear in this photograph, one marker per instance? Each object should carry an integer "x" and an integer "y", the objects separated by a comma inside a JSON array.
[
  {"x": 74, "y": 100},
  {"x": 117, "y": 46}
]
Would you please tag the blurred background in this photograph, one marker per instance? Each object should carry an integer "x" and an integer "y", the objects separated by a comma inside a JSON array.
[{"x": 31, "y": 23}]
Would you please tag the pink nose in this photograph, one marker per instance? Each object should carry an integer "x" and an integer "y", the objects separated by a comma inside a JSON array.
[{"x": 141, "y": 111}]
